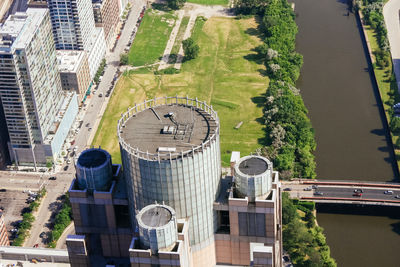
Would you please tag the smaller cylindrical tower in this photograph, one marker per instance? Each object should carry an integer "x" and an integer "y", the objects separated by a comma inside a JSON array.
[
  {"x": 94, "y": 169},
  {"x": 253, "y": 176},
  {"x": 157, "y": 227}
]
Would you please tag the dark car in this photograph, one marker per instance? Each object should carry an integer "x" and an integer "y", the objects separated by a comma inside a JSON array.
[
  {"x": 3, "y": 190},
  {"x": 66, "y": 167},
  {"x": 287, "y": 189},
  {"x": 53, "y": 178},
  {"x": 317, "y": 193},
  {"x": 357, "y": 194}
]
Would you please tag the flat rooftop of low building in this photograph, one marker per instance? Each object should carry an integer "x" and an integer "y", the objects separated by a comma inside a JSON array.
[
  {"x": 69, "y": 60},
  {"x": 155, "y": 130},
  {"x": 253, "y": 166},
  {"x": 156, "y": 216}
]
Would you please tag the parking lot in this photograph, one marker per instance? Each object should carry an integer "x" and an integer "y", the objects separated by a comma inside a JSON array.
[{"x": 12, "y": 202}]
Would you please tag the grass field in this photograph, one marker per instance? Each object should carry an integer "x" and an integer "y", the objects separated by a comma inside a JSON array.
[
  {"x": 151, "y": 37},
  {"x": 385, "y": 85},
  {"x": 209, "y": 2},
  {"x": 224, "y": 75}
]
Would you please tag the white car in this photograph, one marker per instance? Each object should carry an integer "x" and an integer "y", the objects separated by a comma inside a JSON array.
[{"x": 388, "y": 192}]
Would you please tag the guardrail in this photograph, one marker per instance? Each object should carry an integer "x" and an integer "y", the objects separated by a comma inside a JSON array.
[{"x": 386, "y": 202}]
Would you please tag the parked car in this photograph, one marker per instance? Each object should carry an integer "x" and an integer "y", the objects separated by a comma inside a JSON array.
[
  {"x": 53, "y": 178},
  {"x": 388, "y": 192},
  {"x": 397, "y": 196},
  {"x": 287, "y": 189},
  {"x": 317, "y": 193},
  {"x": 358, "y": 190},
  {"x": 101, "y": 94},
  {"x": 66, "y": 167},
  {"x": 314, "y": 186},
  {"x": 307, "y": 189}
]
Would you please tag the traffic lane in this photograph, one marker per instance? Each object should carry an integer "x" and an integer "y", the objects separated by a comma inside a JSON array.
[{"x": 348, "y": 193}]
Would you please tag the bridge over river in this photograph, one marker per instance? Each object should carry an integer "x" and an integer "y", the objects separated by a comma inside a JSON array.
[{"x": 343, "y": 192}]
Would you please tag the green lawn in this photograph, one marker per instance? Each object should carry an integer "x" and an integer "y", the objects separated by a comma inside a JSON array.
[
  {"x": 209, "y": 2},
  {"x": 151, "y": 38},
  {"x": 224, "y": 75}
]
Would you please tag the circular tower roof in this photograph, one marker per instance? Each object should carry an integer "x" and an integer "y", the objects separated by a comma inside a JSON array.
[
  {"x": 253, "y": 176},
  {"x": 157, "y": 227},
  {"x": 156, "y": 216},
  {"x": 94, "y": 169},
  {"x": 167, "y": 126}
]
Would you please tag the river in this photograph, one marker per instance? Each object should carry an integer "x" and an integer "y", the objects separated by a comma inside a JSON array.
[{"x": 350, "y": 129}]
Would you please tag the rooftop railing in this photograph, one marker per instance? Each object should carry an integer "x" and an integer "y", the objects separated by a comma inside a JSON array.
[{"x": 162, "y": 101}]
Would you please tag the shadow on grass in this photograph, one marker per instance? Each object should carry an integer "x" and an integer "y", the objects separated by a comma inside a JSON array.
[{"x": 260, "y": 102}]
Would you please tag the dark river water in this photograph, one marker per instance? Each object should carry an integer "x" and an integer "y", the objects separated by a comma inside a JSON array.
[{"x": 350, "y": 130}]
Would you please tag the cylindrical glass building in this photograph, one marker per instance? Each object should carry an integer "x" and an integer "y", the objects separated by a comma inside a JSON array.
[{"x": 171, "y": 154}]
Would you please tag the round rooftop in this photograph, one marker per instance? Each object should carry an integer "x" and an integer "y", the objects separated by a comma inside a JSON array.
[
  {"x": 93, "y": 157},
  {"x": 156, "y": 216},
  {"x": 165, "y": 129},
  {"x": 253, "y": 165}
]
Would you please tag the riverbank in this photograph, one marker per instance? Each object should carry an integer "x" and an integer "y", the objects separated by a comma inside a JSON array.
[
  {"x": 385, "y": 82},
  {"x": 303, "y": 239}
]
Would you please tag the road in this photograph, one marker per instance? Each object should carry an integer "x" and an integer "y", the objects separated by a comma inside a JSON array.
[
  {"x": 92, "y": 116},
  {"x": 391, "y": 15},
  {"x": 297, "y": 190},
  {"x": 97, "y": 105}
]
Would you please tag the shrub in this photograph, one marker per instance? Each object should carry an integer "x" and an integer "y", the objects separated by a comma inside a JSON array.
[
  {"x": 190, "y": 48},
  {"x": 123, "y": 59},
  {"x": 176, "y": 4}
]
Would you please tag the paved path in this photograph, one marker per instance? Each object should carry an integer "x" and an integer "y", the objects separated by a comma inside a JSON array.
[
  {"x": 70, "y": 230},
  {"x": 391, "y": 14},
  {"x": 187, "y": 34},
  {"x": 167, "y": 52}
]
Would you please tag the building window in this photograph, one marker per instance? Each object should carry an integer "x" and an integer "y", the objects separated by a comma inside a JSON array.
[{"x": 252, "y": 224}]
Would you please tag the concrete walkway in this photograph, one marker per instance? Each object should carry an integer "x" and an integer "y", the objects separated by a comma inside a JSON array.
[
  {"x": 392, "y": 20},
  {"x": 61, "y": 242},
  {"x": 164, "y": 61},
  {"x": 186, "y": 35}
]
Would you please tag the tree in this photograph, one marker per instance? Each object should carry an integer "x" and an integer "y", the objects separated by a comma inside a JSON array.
[
  {"x": 190, "y": 48},
  {"x": 176, "y": 4},
  {"x": 289, "y": 211},
  {"x": 395, "y": 125},
  {"x": 124, "y": 59}
]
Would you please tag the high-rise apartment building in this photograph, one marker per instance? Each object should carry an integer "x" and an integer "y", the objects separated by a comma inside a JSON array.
[
  {"x": 73, "y": 23},
  {"x": 4, "y": 155},
  {"x": 74, "y": 29},
  {"x": 37, "y": 112},
  {"x": 106, "y": 15}
]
